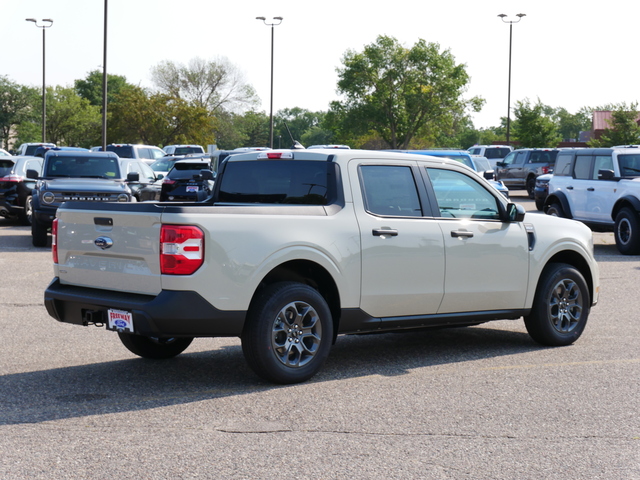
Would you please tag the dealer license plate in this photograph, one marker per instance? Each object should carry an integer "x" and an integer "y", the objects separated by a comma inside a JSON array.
[
  {"x": 192, "y": 188},
  {"x": 120, "y": 320}
]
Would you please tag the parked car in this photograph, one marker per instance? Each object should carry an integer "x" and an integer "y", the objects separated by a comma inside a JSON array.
[
  {"x": 520, "y": 168},
  {"x": 149, "y": 183},
  {"x": 541, "y": 190},
  {"x": 69, "y": 176},
  {"x": 465, "y": 158},
  {"x": 183, "y": 149},
  {"x": 15, "y": 187},
  {"x": 40, "y": 151},
  {"x": 164, "y": 164},
  {"x": 188, "y": 180},
  {"x": 146, "y": 153},
  {"x": 493, "y": 153},
  {"x": 30, "y": 148},
  {"x": 4, "y": 153},
  {"x": 601, "y": 188}
]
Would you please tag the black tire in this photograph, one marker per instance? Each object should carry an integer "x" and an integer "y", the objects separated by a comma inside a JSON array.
[
  {"x": 561, "y": 306},
  {"x": 540, "y": 204},
  {"x": 156, "y": 348},
  {"x": 288, "y": 333},
  {"x": 555, "y": 210},
  {"x": 627, "y": 232},
  {"x": 26, "y": 215},
  {"x": 39, "y": 235},
  {"x": 531, "y": 186}
]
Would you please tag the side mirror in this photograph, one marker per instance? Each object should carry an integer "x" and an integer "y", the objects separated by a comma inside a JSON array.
[
  {"x": 133, "y": 177},
  {"x": 207, "y": 175},
  {"x": 32, "y": 174},
  {"x": 500, "y": 164},
  {"x": 159, "y": 176},
  {"x": 607, "y": 175},
  {"x": 515, "y": 212}
]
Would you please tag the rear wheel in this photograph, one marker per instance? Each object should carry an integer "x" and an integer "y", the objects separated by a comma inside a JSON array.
[
  {"x": 561, "y": 306},
  {"x": 288, "y": 333},
  {"x": 627, "y": 232},
  {"x": 26, "y": 214},
  {"x": 38, "y": 233},
  {"x": 555, "y": 210},
  {"x": 155, "y": 347}
]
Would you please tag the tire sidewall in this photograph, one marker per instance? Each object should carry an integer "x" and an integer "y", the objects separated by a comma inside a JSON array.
[
  {"x": 256, "y": 338},
  {"x": 539, "y": 324},
  {"x": 629, "y": 218}
]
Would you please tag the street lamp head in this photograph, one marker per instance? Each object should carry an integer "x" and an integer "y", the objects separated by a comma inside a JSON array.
[
  {"x": 31, "y": 20},
  {"x": 521, "y": 15},
  {"x": 511, "y": 22},
  {"x": 502, "y": 15},
  {"x": 261, "y": 18}
]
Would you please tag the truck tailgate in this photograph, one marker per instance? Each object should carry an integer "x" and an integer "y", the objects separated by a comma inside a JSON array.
[{"x": 110, "y": 246}]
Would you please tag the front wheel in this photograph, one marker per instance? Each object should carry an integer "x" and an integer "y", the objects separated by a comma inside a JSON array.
[
  {"x": 561, "y": 306},
  {"x": 531, "y": 186},
  {"x": 288, "y": 333},
  {"x": 627, "y": 232},
  {"x": 155, "y": 347},
  {"x": 38, "y": 233}
]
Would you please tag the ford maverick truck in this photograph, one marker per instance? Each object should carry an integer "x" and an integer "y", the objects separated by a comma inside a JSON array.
[{"x": 295, "y": 247}]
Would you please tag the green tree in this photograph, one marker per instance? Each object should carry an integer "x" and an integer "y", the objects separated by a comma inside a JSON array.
[
  {"x": 299, "y": 120},
  {"x": 624, "y": 127},
  {"x": 158, "y": 119},
  {"x": 532, "y": 127},
  {"x": 90, "y": 87},
  {"x": 18, "y": 105},
  {"x": 399, "y": 93},
  {"x": 212, "y": 85},
  {"x": 571, "y": 124},
  {"x": 71, "y": 119}
]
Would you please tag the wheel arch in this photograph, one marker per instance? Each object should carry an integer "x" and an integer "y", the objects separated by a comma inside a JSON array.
[
  {"x": 309, "y": 273},
  {"x": 576, "y": 260},
  {"x": 626, "y": 201},
  {"x": 561, "y": 198}
]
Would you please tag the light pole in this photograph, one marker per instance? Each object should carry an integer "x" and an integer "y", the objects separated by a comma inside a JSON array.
[
  {"x": 510, "y": 22},
  {"x": 44, "y": 26},
  {"x": 104, "y": 82},
  {"x": 274, "y": 21}
]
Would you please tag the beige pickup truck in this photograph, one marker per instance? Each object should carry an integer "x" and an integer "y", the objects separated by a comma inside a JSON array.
[{"x": 297, "y": 246}]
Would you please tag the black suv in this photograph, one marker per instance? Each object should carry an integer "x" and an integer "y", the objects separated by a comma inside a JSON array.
[
  {"x": 520, "y": 168},
  {"x": 15, "y": 187},
  {"x": 69, "y": 176},
  {"x": 188, "y": 181}
]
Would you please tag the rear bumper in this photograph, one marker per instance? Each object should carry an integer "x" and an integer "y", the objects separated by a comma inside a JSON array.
[{"x": 171, "y": 313}]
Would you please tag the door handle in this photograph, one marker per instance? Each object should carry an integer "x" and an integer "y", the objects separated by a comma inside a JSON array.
[
  {"x": 591, "y": 189},
  {"x": 379, "y": 232},
  {"x": 461, "y": 234},
  {"x": 569, "y": 187}
]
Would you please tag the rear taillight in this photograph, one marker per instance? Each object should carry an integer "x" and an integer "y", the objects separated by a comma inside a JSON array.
[
  {"x": 12, "y": 178},
  {"x": 545, "y": 169},
  {"x": 54, "y": 240},
  {"x": 168, "y": 181},
  {"x": 181, "y": 249}
]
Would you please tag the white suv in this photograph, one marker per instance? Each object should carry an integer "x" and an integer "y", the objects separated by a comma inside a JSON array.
[
  {"x": 493, "y": 153},
  {"x": 601, "y": 188}
]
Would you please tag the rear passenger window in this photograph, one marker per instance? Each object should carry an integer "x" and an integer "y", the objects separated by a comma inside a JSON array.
[
  {"x": 563, "y": 165},
  {"x": 582, "y": 168},
  {"x": 390, "y": 190}
]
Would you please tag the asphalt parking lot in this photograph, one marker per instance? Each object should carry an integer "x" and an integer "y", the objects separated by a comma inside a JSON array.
[{"x": 482, "y": 402}]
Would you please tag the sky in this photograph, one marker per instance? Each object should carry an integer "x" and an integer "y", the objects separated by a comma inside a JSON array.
[{"x": 565, "y": 53}]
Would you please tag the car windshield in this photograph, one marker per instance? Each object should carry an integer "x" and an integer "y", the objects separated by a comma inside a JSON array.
[
  {"x": 83, "y": 166},
  {"x": 123, "y": 151},
  {"x": 629, "y": 165},
  {"x": 5, "y": 167},
  {"x": 496, "y": 152},
  {"x": 188, "y": 150},
  {"x": 182, "y": 171}
]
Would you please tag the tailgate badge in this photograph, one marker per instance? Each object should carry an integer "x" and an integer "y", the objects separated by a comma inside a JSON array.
[{"x": 103, "y": 242}]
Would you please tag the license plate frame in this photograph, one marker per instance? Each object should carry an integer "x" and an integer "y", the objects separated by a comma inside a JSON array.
[{"x": 120, "y": 320}]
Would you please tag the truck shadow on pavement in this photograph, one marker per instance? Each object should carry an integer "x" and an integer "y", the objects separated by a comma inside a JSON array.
[{"x": 138, "y": 384}]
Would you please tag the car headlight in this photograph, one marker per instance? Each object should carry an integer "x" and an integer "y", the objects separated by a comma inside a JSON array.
[
  {"x": 48, "y": 197},
  {"x": 123, "y": 197}
]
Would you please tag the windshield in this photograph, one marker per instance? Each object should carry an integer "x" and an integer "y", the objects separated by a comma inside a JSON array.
[
  {"x": 83, "y": 167},
  {"x": 123, "y": 151},
  {"x": 5, "y": 167},
  {"x": 188, "y": 150},
  {"x": 277, "y": 181},
  {"x": 496, "y": 152},
  {"x": 187, "y": 170},
  {"x": 629, "y": 165}
]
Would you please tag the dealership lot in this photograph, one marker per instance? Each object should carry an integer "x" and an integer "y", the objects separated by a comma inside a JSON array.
[{"x": 480, "y": 403}]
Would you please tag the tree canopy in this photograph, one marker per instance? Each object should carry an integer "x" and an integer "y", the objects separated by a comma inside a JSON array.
[
  {"x": 533, "y": 126},
  {"x": 624, "y": 128},
  {"x": 400, "y": 93}
]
